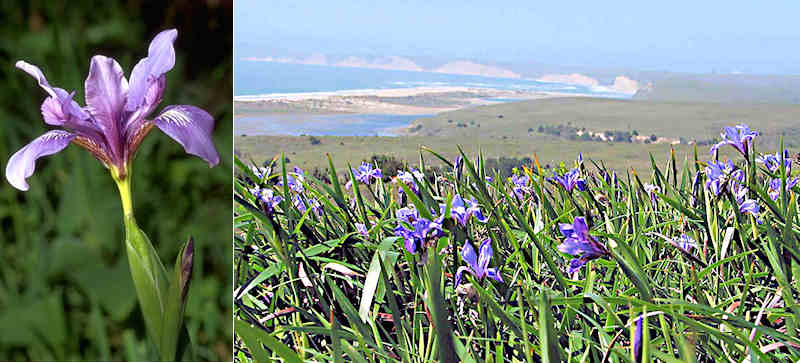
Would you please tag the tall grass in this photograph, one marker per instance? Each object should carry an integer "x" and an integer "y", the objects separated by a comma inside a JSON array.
[{"x": 310, "y": 286}]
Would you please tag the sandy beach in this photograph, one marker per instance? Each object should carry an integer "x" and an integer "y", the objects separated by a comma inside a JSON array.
[{"x": 397, "y": 101}]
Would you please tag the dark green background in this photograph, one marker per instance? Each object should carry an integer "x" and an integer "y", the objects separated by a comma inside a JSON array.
[{"x": 65, "y": 289}]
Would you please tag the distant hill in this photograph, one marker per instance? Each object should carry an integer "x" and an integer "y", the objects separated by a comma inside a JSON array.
[{"x": 727, "y": 88}]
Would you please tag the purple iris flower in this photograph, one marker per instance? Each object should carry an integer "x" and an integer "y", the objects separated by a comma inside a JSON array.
[
  {"x": 720, "y": 173},
  {"x": 739, "y": 136},
  {"x": 421, "y": 230},
  {"x": 362, "y": 229},
  {"x": 569, "y": 180},
  {"x": 115, "y": 120},
  {"x": 407, "y": 214},
  {"x": 774, "y": 189},
  {"x": 260, "y": 173},
  {"x": 407, "y": 178},
  {"x": 578, "y": 242},
  {"x": 300, "y": 204},
  {"x": 267, "y": 198},
  {"x": 461, "y": 210},
  {"x": 366, "y": 173},
  {"x": 520, "y": 185},
  {"x": 295, "y": 180},
  {"x": 773, "y": 161},
  {"x": 478, "y": 265}
]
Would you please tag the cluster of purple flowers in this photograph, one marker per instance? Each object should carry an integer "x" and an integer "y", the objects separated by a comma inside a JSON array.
[{"x": 773, "y": 163}]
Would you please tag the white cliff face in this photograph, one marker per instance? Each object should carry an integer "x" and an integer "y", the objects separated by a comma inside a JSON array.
[
  {"x": 475, "y": 69},
  {"x": 574, "y": 78}
]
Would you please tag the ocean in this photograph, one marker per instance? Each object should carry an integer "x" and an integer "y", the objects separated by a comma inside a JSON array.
[{"x": 253, "y": 78}]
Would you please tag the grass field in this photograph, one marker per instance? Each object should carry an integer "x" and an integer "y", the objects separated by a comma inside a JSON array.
[
  {"x": 509, "y": 136},
  {"x": 674, "y": 264}
]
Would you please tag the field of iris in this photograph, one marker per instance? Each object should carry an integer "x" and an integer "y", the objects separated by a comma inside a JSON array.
[{"x": 695, "y": 260}]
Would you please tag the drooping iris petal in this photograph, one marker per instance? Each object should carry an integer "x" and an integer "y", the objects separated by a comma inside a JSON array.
[
  {"x": 160, "y": 59},
  {"x": 468, "y": 254},
  {"x": 575, "y": 264},
  {"x": 106, "y": 89},
  {"x": 493, "y": 274},
  {"x": 191, "y": 127},
  {"x": 36, "y": 73},
  {"x": 57, "y": 108},
  {"x": 22, "y": 164},
  {"x": 460, "y": 272}
]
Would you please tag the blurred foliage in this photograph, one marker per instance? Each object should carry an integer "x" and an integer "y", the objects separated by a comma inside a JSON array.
[{"x": 65, "y": 288}]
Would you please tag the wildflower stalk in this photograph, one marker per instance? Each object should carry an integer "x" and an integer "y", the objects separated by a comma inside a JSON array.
[{"x": 161, "y": 299}]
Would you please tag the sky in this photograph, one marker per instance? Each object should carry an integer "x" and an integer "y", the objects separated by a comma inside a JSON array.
[{"x": 684, "y": 36}]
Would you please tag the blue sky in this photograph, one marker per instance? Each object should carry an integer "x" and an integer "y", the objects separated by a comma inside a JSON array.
[{"x": 697, "y": 36}]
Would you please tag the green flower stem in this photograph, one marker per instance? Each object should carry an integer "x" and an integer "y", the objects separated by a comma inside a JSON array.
[{"x": 147, "y": 270}]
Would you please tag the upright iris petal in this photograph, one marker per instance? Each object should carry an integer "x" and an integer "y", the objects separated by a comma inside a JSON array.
[
  {"x": 116, "y": 117},
  {"x": 478, "y": 265},
  {"x": 578, "y": 242}
]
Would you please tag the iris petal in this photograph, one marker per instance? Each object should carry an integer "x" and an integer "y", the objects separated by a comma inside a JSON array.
[
  {"x": 468, "y": 254},
  {"x": 160, "y": 59},
  {"x": 191, "y": 127},
  {"x": 22, "y": 164},
  {"x": 484, "y": 255}
]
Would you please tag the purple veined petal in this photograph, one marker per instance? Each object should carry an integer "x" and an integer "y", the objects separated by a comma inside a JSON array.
[
  {"x": 493, "y": 274},
  {"x": 22, "y": 164},
  {"x": 191, "y": 127},
  {"x": 484, "y": 256},
  {"x": 468, "y": 254},
  {"x": 460, "y": 272},
  {"x": 160, "y": 59},
  {"x": 106, "y": 91}
]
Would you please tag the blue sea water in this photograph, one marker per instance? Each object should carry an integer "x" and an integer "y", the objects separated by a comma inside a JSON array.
[
  {"x": 253, "y": 78},
  {"x": 324, "y": 124}
]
